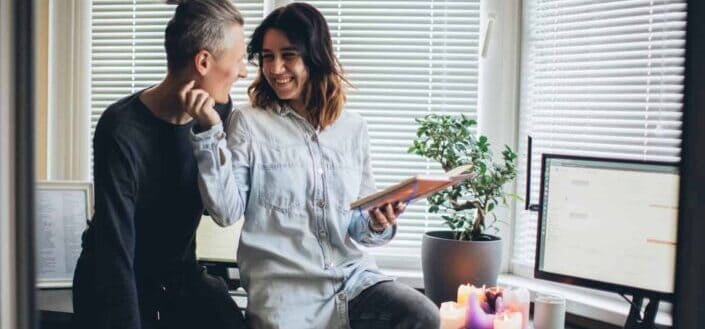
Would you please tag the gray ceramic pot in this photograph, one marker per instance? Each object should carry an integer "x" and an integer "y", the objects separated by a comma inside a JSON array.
[{"x": 448, "y": 263}]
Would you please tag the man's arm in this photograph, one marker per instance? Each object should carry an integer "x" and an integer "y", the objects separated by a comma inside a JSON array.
[{"x": 115, "y": 194}]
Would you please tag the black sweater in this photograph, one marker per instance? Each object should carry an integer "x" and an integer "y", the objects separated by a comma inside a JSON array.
[{"x": 147, "y": 209}]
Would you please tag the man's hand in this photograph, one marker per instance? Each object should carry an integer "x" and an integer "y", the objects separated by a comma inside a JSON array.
[
  {"x": 385, "y": 216},
  {"x": 199, "y": 105}
]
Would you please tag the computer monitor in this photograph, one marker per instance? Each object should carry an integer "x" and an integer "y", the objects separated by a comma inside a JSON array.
[
  {"x": 609, "y": 224},
  {"x": 62, "y": 212},
  {"x": 216, "y": 248}
]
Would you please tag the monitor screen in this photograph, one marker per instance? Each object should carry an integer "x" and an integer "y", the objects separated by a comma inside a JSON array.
[
  {"x": 63, "y": 209},
  {"x": 608, "y": 224}
]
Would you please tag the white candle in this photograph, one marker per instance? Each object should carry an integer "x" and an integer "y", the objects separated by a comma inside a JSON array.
[
  {"x": 517, "y": 300},
  {"x": 464, "y": 290},
  {"x": 511, "y": 320},
  {"x": 452, "y": 316}
]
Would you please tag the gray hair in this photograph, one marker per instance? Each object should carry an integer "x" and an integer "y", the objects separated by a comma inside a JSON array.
[{"x": 197, "y": 25}]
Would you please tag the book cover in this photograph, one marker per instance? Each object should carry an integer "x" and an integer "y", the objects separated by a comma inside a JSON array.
[{"x": 413, "y": 188}]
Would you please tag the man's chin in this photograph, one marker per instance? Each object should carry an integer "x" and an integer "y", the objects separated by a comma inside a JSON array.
[{"x": 221, "y": 98}]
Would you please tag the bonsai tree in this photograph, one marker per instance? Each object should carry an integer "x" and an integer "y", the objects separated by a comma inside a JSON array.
[{"x": 465, "y": 207}]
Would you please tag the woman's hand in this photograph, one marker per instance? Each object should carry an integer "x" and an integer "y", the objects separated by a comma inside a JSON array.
[
  {"x": 199, "y": 105},
  {"x": 385, "y": 216}
]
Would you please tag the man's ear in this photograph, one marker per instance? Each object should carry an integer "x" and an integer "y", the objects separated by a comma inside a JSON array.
[{"x": 202, "y": 61}]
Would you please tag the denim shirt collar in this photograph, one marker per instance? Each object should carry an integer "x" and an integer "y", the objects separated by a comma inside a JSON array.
[{"x": 283, "y": 109}]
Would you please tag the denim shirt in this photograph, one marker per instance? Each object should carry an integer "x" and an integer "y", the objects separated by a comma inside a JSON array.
[{"x": 299, "y": 253}]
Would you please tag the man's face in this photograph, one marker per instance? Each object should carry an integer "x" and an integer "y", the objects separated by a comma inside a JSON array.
[{"x": 228, "y": 67}]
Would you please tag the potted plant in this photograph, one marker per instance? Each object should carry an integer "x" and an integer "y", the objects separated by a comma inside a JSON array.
[{"x": 468, "y": 252}]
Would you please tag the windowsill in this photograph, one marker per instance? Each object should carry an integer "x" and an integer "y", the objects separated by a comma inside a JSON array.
[{"x": 604, "y": 307}]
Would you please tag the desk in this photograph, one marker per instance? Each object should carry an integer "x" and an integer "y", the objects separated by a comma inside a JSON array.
[{"x": 55, "y": 306}]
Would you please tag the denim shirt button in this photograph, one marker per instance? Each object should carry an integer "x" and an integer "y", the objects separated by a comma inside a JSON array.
[
  {"x": 314, "y": 138},
  {"x": 321, "y": 203}
]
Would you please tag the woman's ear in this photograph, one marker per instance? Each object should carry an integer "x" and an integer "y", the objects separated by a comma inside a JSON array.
[{"x": 202, "y": 61}]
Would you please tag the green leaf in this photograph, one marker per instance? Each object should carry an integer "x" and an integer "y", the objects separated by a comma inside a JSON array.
[{"x": 450, "y": 141}]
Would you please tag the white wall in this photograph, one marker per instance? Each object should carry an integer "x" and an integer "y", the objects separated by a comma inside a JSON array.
[
  {"x": 497, "y": 107},
  {"x": 7, "y": 242}
]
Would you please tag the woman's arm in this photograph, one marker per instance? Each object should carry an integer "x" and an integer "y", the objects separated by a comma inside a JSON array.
[
  {"x": 223, "y": 169},
  {"x": 360, "y": 229}
]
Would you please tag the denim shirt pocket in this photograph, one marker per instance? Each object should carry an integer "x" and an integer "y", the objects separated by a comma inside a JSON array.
[
  {"x": 281, "y": 176},
  {"x": 343, "y": 185},
  {"x": 283, "y": 187}
]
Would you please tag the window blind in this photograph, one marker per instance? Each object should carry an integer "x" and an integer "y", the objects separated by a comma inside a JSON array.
[
  {"x": 600, "y": 78},
  {"x": 405, "y": 59},
  {"x": 128, "y": 48}
]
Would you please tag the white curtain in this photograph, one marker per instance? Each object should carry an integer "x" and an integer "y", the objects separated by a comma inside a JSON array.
[{"x": 69, "y": 93}]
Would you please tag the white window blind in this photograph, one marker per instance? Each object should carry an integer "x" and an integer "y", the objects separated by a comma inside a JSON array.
[
  {"x": 599, "y": 78},
  {"x": 128, "y": 48},
  {"x": 406, "y": 59}
]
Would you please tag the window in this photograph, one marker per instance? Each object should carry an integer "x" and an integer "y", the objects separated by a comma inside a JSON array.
[
  {"x": 405, "y": 59},
  {"x": 127, "y": 45},
  {"x": 601, "y": 79}
]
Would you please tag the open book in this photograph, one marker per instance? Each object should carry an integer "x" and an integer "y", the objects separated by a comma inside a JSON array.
[{"x": 414, "y": 188}]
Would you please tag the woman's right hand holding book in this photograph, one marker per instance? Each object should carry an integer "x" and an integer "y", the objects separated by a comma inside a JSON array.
[{"x": 385, "y": 216}]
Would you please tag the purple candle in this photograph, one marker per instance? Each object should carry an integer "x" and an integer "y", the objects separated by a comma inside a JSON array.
[{"x": 476, "y": 317}]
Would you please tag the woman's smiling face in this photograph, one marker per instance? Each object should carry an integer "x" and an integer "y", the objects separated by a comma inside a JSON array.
[{"x": 284, "y": 68}]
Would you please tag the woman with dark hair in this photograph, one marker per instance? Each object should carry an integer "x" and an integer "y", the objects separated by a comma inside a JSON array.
[
  {"x": 138, "y": 265},
  {"x": 291, "y": 164}
]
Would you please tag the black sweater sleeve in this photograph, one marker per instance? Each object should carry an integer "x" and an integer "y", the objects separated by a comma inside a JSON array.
[{"x": 115, "y": 195}]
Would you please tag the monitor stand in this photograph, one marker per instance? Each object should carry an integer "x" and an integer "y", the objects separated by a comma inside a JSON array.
[{"x": 635, "y": 320}]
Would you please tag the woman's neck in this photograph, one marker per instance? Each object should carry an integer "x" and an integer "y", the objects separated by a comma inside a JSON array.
[{"x": 301, "y": 110}]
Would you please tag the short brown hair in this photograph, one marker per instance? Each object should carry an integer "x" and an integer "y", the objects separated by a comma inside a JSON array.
[
  {"x": 307, "y": 30},
  {"x": 197, "y": 25}
]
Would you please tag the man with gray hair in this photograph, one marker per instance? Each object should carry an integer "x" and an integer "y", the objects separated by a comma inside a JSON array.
[{"x": 138, "y": 265}]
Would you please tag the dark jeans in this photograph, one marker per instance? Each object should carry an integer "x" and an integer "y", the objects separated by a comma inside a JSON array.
[
  {"x": 203, "y": 303},
  {"x": 390, "y": 304},
  {"x": 193, "y": 302}
]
